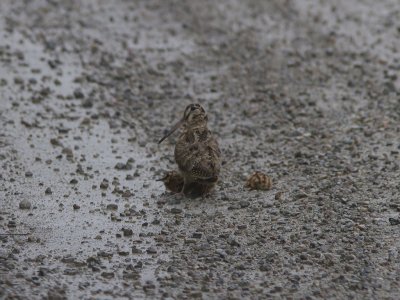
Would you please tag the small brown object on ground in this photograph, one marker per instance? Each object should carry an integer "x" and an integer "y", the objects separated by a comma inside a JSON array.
[
  {"x": 196, "y": 152},
  {"x": 173, "y": 181},
  {"x": 259, "y": 181}
]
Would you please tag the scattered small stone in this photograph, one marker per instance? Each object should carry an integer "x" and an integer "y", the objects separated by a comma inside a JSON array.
[
  {"x": 25, "y": 204},
  {"x": 301, "y": 195},
  {"x": 87, "y": 103},
  {"x": 104, "y": 254},
  {"x": 71, "y": 272},
  {"x": 131, "y": 275},
  {"x": 149, "y": 286},
  {"x": 394, "y": 221},
  {"x": 48, "y": 191},
  {"x": 55, "y": 142},
  {"x": 233, "y": 242},
  {"x": 136, "y": 250},
  {"x": 18, "y": 80},
  {"x": 151, "y": 250},
  {"x": 221, "y": 253},
  {"x": 85, "y": 121},
  {"x": 127, "y": 194},
  {"x": 234, "y": 206},
  {"x": 112, "y": 206},
  {"x": 107, "y": 275},
  {"x": 190, "y": 241},
  {"x": 278, "y": 195},
  {"x": 127, "y": 232},
  {"x": 68, "y": 152},
  {"x": 244, "y": 203},
  {"x": 93, "y": 260},
  {"x": 63, "y": 130},
  {"x": 11, "y": 224},
  {"x": 76, "y": 206},
  {"x": 120, "y": 166},
  {"x": 28, "y": 174},
  {"x": 104, "y": 184},
  {"x": 57, "y": 294},
  {"x": 78, "y": 94},
  {"x": 73, "y": 181},
  {"x": 176, "y": 210}
]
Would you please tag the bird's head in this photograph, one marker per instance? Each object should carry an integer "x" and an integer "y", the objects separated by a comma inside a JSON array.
[{"x": 194, "y": 116}]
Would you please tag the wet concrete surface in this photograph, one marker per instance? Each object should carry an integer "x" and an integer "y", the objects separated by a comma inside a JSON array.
[{"x": 305, "y": 91}]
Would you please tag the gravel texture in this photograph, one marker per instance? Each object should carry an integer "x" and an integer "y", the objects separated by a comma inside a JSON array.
[{"x": 307, "y": 92}]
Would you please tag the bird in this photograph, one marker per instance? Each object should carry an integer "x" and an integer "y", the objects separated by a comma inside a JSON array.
[
  {"x": 197, "y": 152},
  {"x": 173, "y": 181},
  {"x": 259, "y": 181}
]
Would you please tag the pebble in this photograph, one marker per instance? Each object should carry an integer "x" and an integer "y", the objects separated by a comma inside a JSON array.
[
  {"x": 87, "y": 103},
  {"x": 127, "y": 232},
  {"x": 121, "y": 166},
  {"x": 176, "y": 210},
  {"x": 78, "y": 94},
  {"x": 112, "y": 206},
  {"x": 244, "y": 203},
  {"x": 278, "y": 195},
  {"x": 104, "y": 184},
  {"x": 233, "y": 242},
  {"x": 107, "y": 275},
  {"x": 55, "y": 142},
  {"x": 135, "y": 250},
  {"x": 25, "y": 204},
  {"x": 197, "y": 235},
  {"x": 221, "y": 253},
  {"x": 151, "y": 250},
  {"x": 57, "y": 294},
  {"x": 104, "y": 254},
  {"x": 48, "y": 191},
  {"x": 71, "y": 272},
  {"x": 394, "y": 221}
]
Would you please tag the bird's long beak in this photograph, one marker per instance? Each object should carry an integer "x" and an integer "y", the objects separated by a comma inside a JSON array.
[
  {"x": 173, "y": 129},
  {"x": 163, "y": 178}
]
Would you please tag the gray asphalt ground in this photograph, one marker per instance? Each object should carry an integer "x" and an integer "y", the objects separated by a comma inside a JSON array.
[{"x": 307, "y": 92}]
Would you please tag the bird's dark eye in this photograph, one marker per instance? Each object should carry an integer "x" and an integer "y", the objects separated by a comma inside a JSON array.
[{"x": 192, "y": 108}]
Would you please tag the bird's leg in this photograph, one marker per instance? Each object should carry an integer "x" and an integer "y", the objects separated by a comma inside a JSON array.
[{"x": 187, "y": 188}]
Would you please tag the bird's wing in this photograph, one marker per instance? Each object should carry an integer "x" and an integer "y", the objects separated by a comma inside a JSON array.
[{"x": 199, "y": 160}]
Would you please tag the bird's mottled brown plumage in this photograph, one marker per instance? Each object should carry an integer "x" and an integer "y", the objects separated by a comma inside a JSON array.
[
  {"x": 259, "y": 181},
  {"x": 196, "y": 152},
  {"x": 173, "y": 181}
]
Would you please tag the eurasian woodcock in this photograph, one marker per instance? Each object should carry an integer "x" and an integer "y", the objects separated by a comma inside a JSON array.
[
  {"x": 196, "y": 152},
  {"x": 173, "y": 181},
  {"x": 259, "y": 181}
]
